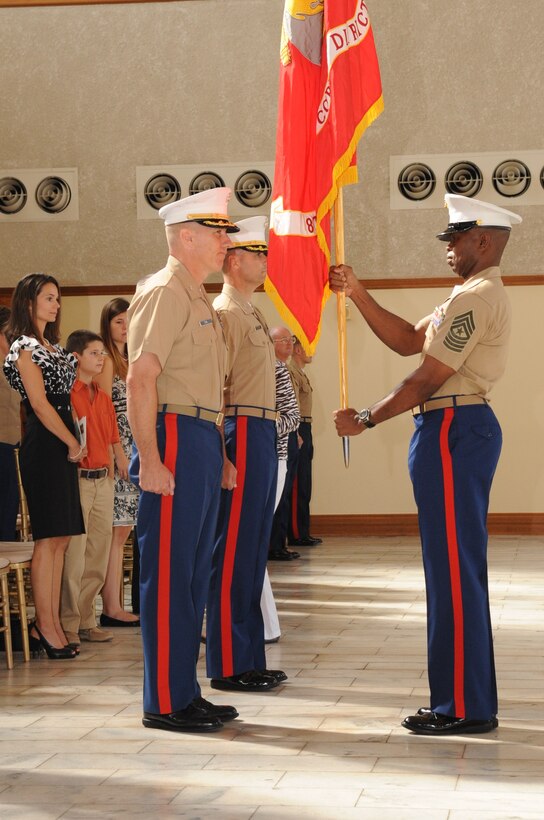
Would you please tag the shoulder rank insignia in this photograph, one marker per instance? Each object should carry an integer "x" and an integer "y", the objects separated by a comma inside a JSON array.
[{"x": 461, "y": 329}]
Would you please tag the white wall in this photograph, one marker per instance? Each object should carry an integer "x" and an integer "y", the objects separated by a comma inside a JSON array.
[
  {"x": 377, "y": 479},
  {"x": 107, "y": 88}
]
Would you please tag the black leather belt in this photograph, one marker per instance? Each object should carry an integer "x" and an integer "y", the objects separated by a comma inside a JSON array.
[{"x": 93, "y": 474}]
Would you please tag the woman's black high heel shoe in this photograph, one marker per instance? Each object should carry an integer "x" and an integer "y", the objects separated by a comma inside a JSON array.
[
  {"x": 52, "y": 652},
  {"x": 35, "y": 646}
]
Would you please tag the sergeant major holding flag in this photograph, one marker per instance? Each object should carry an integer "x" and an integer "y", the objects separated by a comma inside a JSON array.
[{"x": 453, "y": 455}]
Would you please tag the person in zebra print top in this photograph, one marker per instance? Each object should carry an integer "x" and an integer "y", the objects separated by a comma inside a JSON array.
[{"x": 287, "y": 444}]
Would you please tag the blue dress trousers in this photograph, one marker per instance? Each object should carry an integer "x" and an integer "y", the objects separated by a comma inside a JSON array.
[{"x": 452, "y": 459}]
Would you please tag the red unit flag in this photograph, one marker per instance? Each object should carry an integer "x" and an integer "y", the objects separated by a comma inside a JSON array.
[{"x": 330, "y": 92}]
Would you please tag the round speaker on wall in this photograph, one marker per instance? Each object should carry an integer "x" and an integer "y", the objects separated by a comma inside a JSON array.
[
  {"x": 252, "y": 189},
  {"x": 416, "y": 181},
  {"x": 464, "y": 178},
  {"x": 511, "y": 178},
  {"x": 53, "y": 195},
  {"x": 205, "y": 181},
  {"x": 12, "y": 195},
  {"x": 542, "y": 177},
  {"x": 161, "y": 189}
]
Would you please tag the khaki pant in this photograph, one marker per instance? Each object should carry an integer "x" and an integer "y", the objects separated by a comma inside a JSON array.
[{"x": 86, "y": 559}]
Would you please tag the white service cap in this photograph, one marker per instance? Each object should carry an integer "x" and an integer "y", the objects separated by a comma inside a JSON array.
[
  {"x": 207, "y": 208},
  {"x": 466, "y": 213},
  {"x": 251, "y": 236}
]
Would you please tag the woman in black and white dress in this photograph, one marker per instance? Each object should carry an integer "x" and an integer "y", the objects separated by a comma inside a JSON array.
[{"x": 43, "y": 373}]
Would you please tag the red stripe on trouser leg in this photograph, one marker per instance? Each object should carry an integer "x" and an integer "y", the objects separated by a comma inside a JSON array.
[
  {"x": 294, "y": 508},
  {"x": 455, "y": 574},
  {"x": 230, "y": 547},
  {"x": 163, "y": 591}
]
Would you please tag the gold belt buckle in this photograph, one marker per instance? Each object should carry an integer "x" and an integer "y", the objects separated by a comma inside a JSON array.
[{"x": 219, "y": 419}]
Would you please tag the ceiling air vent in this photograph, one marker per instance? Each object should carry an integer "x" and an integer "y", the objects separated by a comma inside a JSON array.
[
  {"x": 249, "y": 181},
  {"x": 12, "y": 195},
  {"x": 53, "y": 195},
  {"x": 463, "y": 178},
  {"x": 205, "y": 181},
  {"x": 39, "y": 195},
  {"x": 160, "y": 190},
  {"x": 511, "y": 178},
  {"x": 416, "y": 181},
  {"x": 253, "y": 189}
]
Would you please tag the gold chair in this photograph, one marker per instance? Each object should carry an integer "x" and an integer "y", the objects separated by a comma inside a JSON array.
[
  {"x": 5, "y": 615},
  {"x": 128, "y": 560},
  {"x": 127, "y": 564},
  {"x": 19, "y": 555},
  {"x": 23, "y": 519}
]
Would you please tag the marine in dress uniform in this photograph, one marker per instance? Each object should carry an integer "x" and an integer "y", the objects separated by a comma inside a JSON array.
[
  {"x": 235, "y": 648},
  {"x": 175, "y": 396},
  {"x": 301, "y": 494},
  {"x": 453, "y": 455}
]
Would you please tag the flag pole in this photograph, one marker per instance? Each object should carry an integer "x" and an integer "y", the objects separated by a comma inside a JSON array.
[{"x": 341, "y": 314}]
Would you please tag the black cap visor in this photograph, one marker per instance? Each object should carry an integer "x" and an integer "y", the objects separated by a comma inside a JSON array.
[
  {"x": 456, "y": 227},
  {"x": 251, "y": 248},
  {"x": 462, "y": 227},
  {"x": 212, "y": 222}
]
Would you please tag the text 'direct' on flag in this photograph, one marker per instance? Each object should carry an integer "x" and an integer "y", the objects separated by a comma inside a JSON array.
[{"x": 330, "y": 92}]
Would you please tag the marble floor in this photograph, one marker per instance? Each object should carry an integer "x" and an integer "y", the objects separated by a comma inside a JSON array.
[{"x": 327, "y": 744}]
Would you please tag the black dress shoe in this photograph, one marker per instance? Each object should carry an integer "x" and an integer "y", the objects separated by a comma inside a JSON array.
[
  {"x": 272, "y": 640},
  {"x": 307, "y": 541},
  {"x": 282, "y": 555},
  {"x": 191, "y": 719},
  {"x": 431, "y": 723},
  {"x": 277, "y": 674},
  {"x": 105, "y": 620},
  {"x": 246, "y": 682},
  {"x": 224, "y": 713}
]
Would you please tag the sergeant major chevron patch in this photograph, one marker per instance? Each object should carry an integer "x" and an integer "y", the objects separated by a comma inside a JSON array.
[{"x": 462, "y": 328}]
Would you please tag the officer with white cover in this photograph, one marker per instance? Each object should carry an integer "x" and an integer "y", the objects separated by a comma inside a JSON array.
[{"x": 453, "y": 455}]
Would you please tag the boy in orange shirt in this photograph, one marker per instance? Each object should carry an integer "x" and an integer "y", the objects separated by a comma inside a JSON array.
[{"x": 86, "y": 558}]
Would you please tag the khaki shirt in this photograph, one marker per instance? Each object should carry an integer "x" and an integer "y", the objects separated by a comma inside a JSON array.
[
  {"x": 10, "y": 418},
  {"x": 469, "y": 332},
  {"x": 251, "y": 359},
  {"x": 303, "y": 390},
  {"x": 171, "y": 316}
]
